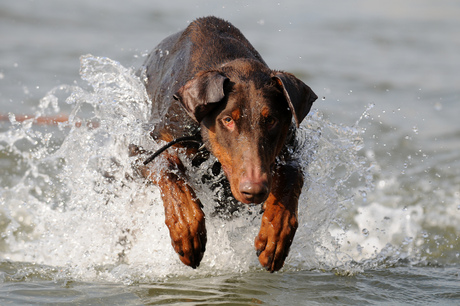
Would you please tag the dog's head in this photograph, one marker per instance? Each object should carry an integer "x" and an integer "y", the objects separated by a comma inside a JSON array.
[{"x": 245, "y": 111}]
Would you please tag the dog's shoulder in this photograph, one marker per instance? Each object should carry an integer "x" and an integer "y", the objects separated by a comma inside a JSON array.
[
  {"x": 219, "y": 40},
  {"x": 212, "y": 27}
]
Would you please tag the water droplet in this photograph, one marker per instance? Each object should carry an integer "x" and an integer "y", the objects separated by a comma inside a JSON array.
[
  {"x": 365, "y": 232},
  {"x": 407, "y": 240},
  {"x": 364, "y": 195},
  {"x": 415, "y": 129}
]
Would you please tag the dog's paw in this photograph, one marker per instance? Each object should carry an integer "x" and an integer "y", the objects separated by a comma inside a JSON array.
[
  {"x": 187, "y": 229},
  {"x": 275, "y": 237}
]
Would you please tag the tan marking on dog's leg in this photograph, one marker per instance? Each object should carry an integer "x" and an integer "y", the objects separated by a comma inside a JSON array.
[
  {"x": 183, "y": 215},
  {"x": 279, "y": 220}
]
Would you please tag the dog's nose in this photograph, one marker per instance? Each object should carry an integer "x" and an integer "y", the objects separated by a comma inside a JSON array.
[{"x": 254, "y": 192}]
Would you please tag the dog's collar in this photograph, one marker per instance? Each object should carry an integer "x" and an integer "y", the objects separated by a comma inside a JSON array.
[{"x": 195, "y": 138}]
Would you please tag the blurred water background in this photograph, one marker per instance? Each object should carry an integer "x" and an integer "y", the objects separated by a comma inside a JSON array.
[{"x": 379, "y": 215}]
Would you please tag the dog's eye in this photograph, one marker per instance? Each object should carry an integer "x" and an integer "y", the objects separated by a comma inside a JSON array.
[
  {"x": 228, "y": 122},
  {"x": 270, "y": 122}
]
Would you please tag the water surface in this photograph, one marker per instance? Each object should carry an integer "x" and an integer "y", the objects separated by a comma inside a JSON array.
[{"x": 380, "y": 211}]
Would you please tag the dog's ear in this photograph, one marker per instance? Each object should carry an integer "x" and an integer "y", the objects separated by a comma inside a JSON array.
[
  {"x": 201, "y": 95},
  {"x": 299, "y": 96}
]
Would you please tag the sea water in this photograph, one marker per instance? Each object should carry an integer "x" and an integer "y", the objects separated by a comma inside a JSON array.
[{"x": 379, "y": 210}]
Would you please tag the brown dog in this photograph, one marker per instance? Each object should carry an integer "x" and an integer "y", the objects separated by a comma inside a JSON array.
[{"x": 209, "y": 84}]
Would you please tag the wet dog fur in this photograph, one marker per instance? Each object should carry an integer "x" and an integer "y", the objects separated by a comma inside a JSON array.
[{"x": 209, "y": 81}]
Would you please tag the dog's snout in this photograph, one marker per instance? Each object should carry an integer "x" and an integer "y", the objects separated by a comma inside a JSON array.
[{"x": 254, "y": 192}]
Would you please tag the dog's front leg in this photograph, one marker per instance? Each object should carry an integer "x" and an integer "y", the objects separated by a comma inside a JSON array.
[
  {"x": 279, "y": 220},
  {"x": 183, "y": 215}
]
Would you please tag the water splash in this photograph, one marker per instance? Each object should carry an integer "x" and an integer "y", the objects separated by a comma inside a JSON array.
[{"x": 73, "y": 199}]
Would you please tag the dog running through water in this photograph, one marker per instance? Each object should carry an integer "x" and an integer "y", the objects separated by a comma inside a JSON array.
[{"x": 212, "y": 88}]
